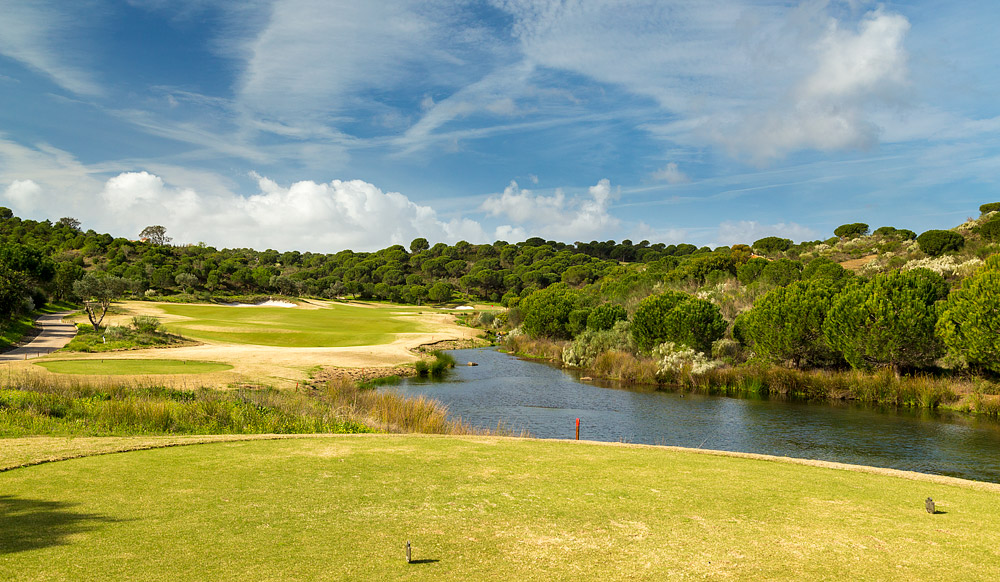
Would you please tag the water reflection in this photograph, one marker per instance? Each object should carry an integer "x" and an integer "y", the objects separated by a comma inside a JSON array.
[{"x": 546, "y": 401}]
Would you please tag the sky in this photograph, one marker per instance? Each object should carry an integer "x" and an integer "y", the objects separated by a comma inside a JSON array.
[{"x": 323, "y": 125}]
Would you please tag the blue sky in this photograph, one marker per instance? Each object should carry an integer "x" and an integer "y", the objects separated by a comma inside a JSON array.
[{"x": 322, "y": 125}]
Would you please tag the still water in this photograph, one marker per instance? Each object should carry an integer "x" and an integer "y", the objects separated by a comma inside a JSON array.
[{"x": 546, "y": 401}]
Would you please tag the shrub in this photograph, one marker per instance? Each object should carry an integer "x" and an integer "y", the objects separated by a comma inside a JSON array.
[
  {"x": 823, "y": 268},
  {"x": 592, "y": 343},
  {"x": 145, "y": 324},
  {"x": 749, "y": 271},
  {"x": 991, "y": 230},
  {"x": 781, "y": 272},
  {"x": 888, "y": 320},
  {"x": 676, "y": 317},
  {"x": 938, "y": 242},
  {"x": 675, "y": 360},
  {"x": 605, "y": 316},
  {"x": 970, "y": 318},
  {"x": 787, "y": 323}
]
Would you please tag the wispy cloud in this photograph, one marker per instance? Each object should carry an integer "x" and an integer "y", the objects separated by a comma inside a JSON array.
[{"x": 34, "y": 33}]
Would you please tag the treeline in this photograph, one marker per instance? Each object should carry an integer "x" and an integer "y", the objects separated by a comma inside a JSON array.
[
  {"x": 910, "y": 304},
  {"x": 773, "y": 300}
]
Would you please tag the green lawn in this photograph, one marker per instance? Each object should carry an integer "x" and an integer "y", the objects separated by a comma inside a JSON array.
[
  {"x": 342, "y": 508},
  {"x": 338, "y": 326},
  {"x": 125, "y": 367}
]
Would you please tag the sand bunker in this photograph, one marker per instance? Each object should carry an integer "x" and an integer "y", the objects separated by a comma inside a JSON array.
[{"x": 268, "y": 303}]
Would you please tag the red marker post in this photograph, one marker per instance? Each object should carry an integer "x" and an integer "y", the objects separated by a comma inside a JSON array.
[{"x": 578, "y": 429}]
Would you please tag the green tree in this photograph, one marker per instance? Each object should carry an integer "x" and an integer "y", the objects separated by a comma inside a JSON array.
[
  {"x": 853, "y": 230},
  {"x": 749, "y": 271},
  {"x": 676, "y": 317},
  {"x": 440, "y": 292},
  {"x": 13, "y": 292},
  {"x": 824, "y": 268},
  {"x": 546, "y": 311},
  {"x": 787, "y": 323},
  {"x": 97, "y": 293},
  {"x": 888, "y": 320},
  {"x": 155, "y": 234},
  {"x": 605, "y": 315},
  {"x": 989, "y": 207},
  {"x": 772, "y": 244},
  {"x": 419, "y": 245},
  {"x": 969, "y": 325},
  {"x": 781, "y": 272},
  {"x": 938, "y": 242}
]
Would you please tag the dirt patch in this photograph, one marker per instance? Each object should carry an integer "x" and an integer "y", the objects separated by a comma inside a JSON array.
[{"x": 859, "y": 263}]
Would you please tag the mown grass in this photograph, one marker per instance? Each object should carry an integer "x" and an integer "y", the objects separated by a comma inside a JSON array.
[
  {"x": 342, "y": 508},
  {"x": 335, "y": 326},
  {"x": 131, "y": 367}
]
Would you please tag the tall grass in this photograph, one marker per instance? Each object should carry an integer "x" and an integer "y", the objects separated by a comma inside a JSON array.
[
  {"x": 523, "y": 345},
  {"x": 30, "y": 405},
  {"x": 391, "y": 412},
  {"x": 883, "y": 387}
]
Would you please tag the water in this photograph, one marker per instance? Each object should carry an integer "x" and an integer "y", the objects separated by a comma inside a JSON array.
[{"x": 546, "y": 401}]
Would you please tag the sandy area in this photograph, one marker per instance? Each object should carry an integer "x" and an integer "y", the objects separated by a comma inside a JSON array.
[{"x": 283, "y": 367}]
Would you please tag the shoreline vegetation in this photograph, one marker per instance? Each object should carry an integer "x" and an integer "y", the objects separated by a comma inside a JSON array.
[{"x": 882, "y": 387}]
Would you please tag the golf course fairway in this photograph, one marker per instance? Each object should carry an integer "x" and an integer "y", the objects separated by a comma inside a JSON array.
[
  {"x": 483, "y": 508},
  {"x": 131, "y": 367}
]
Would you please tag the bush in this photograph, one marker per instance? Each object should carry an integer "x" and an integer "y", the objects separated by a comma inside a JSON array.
[
  {"x": 749, "y": 271},
  {"x": 787, "y": 323},
  {"x": 592, "y": 343},
  {"x": 989, "y": 207},
  {"x": 970, "y": 318},
  {"x": 145, "y": 324},
  {"x": 676, "y": 317},
  {"x": 937, "y": 242},
  {"x": 678, "y": 361},
  {"x": 853, "y": 230},
  {"x": 991, "y": 230},
  {"x": 605, "y": 316},
  {"x": 781, "y": 272},
  {"x": 887, "y": 321}
]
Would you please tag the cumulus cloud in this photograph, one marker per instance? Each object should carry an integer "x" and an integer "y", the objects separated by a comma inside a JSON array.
[
  {"x": 671, "y": 174},
  {"x": 305, "y": 215},
  {"x": 748, "y": 231},
  {"x": 576, "y": 217},
  {"x": 24, "y": 193}
]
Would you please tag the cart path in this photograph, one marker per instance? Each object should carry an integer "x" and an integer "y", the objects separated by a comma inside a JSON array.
[{"x": 54, "y": 334}]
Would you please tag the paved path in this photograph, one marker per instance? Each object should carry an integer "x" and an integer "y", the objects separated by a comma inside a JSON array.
[{"x": 53, "y": 335}]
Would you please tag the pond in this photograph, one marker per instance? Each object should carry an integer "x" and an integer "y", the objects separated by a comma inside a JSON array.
[{"x": 546, "y": 401}]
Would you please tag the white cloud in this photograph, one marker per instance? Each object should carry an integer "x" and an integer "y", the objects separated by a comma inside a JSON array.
[
  {"x": 748, "y": 231},
  {"x": 24, "y": 193},
  {"x": 671, "y": 174},
  {"x": 46, "y": 183},
  {"x": 577, "y": 217}
]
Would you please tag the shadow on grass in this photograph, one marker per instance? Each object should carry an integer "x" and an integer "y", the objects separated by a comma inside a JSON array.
[
  {"x": 423, "y": 561},
  {"x": 31, "y": 524}
]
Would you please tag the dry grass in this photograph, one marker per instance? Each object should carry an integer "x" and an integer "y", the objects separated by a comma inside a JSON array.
[{"x": 392, "y": 412}]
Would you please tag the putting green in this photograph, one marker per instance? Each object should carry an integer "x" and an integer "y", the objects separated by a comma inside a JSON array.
[
  {"x": 124, "y": 367},
  {"x": 335, "y": 326},
  {"x": 480, "y": 509}
]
